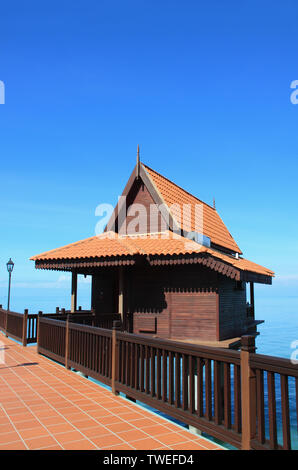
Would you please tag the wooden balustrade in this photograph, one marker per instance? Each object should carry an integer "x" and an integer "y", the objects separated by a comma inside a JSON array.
[
  {"x": 197, "y": 385},
  {"x": 228, "y": 394},
  {"x": 82, "y": 347},
  {"x": 21, "y": 327},
  {"x": 51, "y": 338},
  {"x": 273, "y": 373}
]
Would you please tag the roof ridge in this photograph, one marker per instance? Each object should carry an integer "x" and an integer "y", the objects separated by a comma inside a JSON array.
[
  {"x": 143, "y": 235},
  {"x": 180, "y": 187},
  {"x": 130, "y": 246}
]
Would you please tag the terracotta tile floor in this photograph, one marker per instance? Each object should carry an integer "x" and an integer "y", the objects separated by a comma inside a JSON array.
[{"x": 45, "y": 406}]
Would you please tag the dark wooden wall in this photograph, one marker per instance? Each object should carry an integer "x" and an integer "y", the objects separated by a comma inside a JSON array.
[
  {"x": 232, "y": 309},
  {"x": 180, "y": 302},
  {"x": 177, "y": 302},
  {"x": 149, "y": 220}
]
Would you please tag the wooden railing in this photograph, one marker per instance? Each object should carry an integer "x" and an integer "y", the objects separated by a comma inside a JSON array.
[
  {"x": 19, "y": 326},
  {"x": 240, "y": 397},
  {"x": 51, "y": 338},
  {"x": 218, "y": 391},
  {"x": 85, "y": 348},
  {"x": 89, "y": 350},
  {"x": 24, "y": 327},
  {"x": 197, "y": 385}
]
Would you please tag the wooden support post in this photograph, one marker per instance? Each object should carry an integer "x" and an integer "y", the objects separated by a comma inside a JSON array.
[
  {"x": 38, "y": 330},
  {"x": 74, "y": 288},
  {"x": 116, "y": 327},
  {"x": 25, "y": 326},
  {"x": 248, "y": 392},
  {"x": 252, "y": 298},
  {"x": 67, "y": 342},
  {"x": 57, "y": 310},
  {"x": 121, "y": 293}
]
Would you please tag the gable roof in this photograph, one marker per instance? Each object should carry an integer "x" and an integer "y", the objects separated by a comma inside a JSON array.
[{"x": 175, "y": 197}]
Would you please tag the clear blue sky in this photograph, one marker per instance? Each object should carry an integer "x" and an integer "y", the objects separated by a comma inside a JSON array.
[{"x": 203, "y": 87}]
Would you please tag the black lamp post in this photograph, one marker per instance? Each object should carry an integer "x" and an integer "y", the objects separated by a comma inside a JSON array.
[{"x": 10, "y": 266}]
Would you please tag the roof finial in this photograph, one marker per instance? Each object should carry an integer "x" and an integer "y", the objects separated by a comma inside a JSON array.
[
  {"x": 138, "y": 163},
  {"x": 213, "y": 203}
]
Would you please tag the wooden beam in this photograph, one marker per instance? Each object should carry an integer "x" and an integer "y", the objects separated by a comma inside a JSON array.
[
  {"x": 249, "y": 276},
  {"x": 252, "y": 298}
]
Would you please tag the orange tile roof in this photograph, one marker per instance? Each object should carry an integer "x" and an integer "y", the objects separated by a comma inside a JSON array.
[
  {"x": 111, "y": 244},
  {"x": 107, "y": 244},
  {"x": 213, "y": 226},
  {"x": 241, "y": 263}
]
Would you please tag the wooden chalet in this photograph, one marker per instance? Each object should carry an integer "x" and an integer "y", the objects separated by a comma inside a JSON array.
[{"x": 159, "y": 272}]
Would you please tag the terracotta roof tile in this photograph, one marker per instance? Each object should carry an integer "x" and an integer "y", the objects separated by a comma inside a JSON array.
[
  {"x": 106, "y": 244},
  {"x": 173, "y": 195},
  {"x": 241, "y": 263}
]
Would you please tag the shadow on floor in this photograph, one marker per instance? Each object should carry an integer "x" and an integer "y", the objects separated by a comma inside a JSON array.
[{"x": 25, "y": 364}]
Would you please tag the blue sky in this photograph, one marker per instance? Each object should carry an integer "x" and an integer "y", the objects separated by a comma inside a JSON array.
[{"x": 203, "y": 87}]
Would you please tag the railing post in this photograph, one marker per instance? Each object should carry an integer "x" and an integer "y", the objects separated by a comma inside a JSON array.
[
  {"x": 116, "y": 327},
  {"x": 248, "y": 392},
  {"x": 57, "y": 310},
  {"x": 67, "y": 341},
  {"x": 38, "y": 330},
  {"x": 25, "y": 326}
]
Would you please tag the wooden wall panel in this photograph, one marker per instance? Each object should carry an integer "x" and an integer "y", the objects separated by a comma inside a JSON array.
[
  {"x": 182, "y": 299},
  {"x": 193, "y": 315},
  {"x": 182, "y": 302},
  {"x": 149, "y": 220}
]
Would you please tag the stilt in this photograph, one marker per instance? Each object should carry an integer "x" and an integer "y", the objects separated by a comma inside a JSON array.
[
  {"x": 252, "y": 299},
  {"x": 74, "y": 287}
]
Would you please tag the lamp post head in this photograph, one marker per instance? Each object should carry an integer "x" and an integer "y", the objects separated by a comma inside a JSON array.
[{"x": 10, "y": 265}]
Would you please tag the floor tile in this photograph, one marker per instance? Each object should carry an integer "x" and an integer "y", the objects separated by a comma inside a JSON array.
[{"x": 49, "y": 407}]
